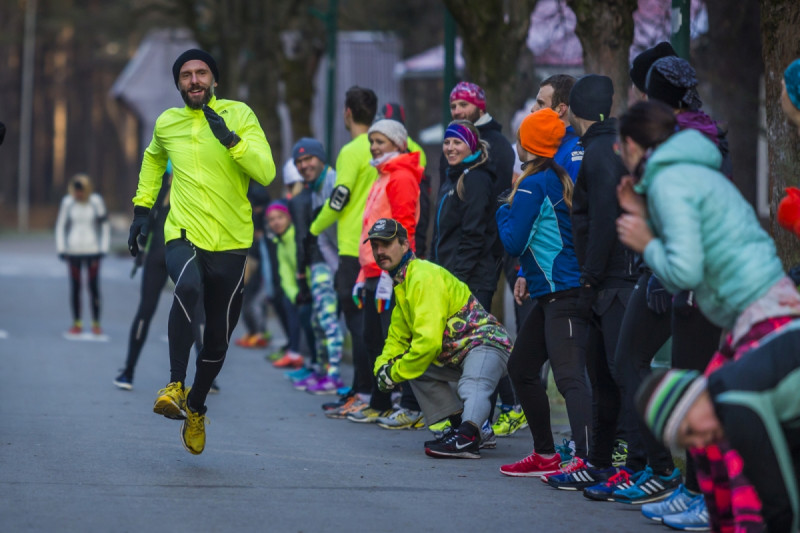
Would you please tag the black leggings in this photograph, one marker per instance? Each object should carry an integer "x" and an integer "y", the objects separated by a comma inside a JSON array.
[
  {"x": 154, "y": 276},
  {"x": 216, "y": 280},
  {"x": 344, "y": 281},
  {"x": 92, "y": 264},
  {"x": 376, "y": 329},
  {"x": 601, "y": 348},
  {"x": 552, "y": 331}
]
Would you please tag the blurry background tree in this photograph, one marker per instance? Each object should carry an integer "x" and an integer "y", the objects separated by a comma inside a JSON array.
[
  {"x": 605, "y": 29},
  {"x": 494, "y": 33},
  {"x": 780, "y": 20}
]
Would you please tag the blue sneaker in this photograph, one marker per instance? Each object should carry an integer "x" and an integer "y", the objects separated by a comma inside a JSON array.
[
  {"x": 677, "y": 503},
  {"x": 695, "y": 518},
  {"x": 297, "y": 375},
  {"x": 650, "y": 487},
  {"x": 602, "y": 492}
]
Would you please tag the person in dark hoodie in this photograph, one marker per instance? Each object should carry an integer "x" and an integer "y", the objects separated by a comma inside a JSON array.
[
  {"x": 607, "y": 275},
  {"x": 465, "y": 231},
  {"x": 640, "y": 66}
]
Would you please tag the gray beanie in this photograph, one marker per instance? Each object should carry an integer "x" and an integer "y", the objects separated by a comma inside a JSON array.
[{"x": 394, "y": 131}]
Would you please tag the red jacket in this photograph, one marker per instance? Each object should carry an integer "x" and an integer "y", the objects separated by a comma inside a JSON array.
[{"x": 395, "y": 194}]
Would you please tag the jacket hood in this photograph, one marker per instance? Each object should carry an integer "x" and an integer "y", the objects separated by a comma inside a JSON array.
[
  {"x": 697, "y": 120},
  {"x": 407, "y": 162},
  {"x": 686, "y": 147}
]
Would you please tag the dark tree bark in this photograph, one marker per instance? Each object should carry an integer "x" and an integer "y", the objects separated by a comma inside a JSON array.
[
  {"x": 605, "y": 30},
  {"x": 733, "y": 64},
  {"x": 779, "y": 22},
  {"x": 494, "y": 33}
]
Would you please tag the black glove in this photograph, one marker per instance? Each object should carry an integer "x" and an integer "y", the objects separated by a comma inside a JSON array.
[
  {"x": 658, "y": 299},
  {"x": 583, "y": 305},
  {"x": 139, "y": 228},
  {"x": 218, "y": 127},
  {"x": 384, "y": 378},
  {"x": 303, "y": 293},
  {"x": 63, "y": 257}
]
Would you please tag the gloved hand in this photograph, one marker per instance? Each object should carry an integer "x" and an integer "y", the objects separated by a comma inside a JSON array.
[
  {"x": 384, "y": 378},
  {"x": 218, "y": 127},
  {"x": 383, "y": 292},
  {"x": 139, "y": 229},
  {"x": 303, "y": 292},
  {"x": 585, "y": 301},
  {"x": 358, "y": 294},
  {"x": 658, "y": 299},
  {"x": 684, "y": 303}
]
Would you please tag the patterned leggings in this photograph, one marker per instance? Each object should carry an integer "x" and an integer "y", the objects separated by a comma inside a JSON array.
[{"x": 325, "y": 316}]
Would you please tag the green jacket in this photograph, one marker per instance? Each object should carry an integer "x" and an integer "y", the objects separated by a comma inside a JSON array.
[
  {"x": 355, "y": 173},
  {"x": 436, "y": 320},
  {"x": 287, "y": 262},
  {"x": 209, "y": 186},
  {"x": 708, "y": 238}
]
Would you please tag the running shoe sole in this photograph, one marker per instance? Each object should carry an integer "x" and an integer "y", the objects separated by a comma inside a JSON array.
[
  {"x": 168, "y": 408},
  {"x": 122, "y": 385},
  {"x": 452, "y": 455}
]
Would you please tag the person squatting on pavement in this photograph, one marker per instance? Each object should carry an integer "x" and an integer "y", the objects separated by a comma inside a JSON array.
[
  {"x": 82, "y": 239},
  {"x": 435, "y": 342},
  {"x": 216, "y": 146}
]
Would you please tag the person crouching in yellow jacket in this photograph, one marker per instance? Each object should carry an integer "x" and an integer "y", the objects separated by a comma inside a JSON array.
[{"x": 439, "y": 334}]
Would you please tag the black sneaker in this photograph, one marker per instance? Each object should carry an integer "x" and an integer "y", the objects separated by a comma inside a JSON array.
[
  {"x": 456, "y": 444},
  {"x": 123, "y": 382},
  {"x": 445, "y": 434}
]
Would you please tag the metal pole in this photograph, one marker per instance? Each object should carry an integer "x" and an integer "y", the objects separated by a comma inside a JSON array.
[
  {"x": 681, "y": 18},
  {"x": 332, "y": 23},
  {"x": 26, "y": 116},
  {"x": 449, "y": 75}
]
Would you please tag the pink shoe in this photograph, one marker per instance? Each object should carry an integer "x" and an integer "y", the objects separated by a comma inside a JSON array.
[
  {"x": 289, "y": 360},
  {"x": 326, "y": 385},
  {"x": 533, "y": 465}
]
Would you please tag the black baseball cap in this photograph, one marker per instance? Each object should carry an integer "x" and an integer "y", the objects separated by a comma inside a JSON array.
[{"x": 386, "y": 229}]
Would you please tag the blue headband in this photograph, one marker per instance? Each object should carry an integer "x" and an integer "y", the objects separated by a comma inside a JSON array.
[{"x": 463, "y": 133}]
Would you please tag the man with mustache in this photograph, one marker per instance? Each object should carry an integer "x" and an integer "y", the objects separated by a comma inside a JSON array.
[
  {"x": 439, "y": 334},
  {"x": 216, "y": 147}
]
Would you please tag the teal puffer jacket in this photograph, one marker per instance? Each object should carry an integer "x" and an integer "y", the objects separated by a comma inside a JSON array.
[{"x": 707, "y": 236}]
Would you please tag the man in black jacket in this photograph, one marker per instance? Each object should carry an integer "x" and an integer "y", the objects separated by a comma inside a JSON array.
[{"x": 607, "y": 272}]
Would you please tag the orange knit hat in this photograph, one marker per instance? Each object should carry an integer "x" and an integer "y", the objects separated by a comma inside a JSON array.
[{"x": 541, "y": 132}]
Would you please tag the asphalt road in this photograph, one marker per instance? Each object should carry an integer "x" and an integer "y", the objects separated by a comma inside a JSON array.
[{"x": 77, "y": 454}]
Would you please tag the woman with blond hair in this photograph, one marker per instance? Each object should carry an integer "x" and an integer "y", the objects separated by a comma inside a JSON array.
[
  {"x": 535, "y": 226},
  {"x": 82, "y": 239}
]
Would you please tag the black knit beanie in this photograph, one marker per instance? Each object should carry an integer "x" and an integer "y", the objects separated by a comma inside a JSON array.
[
  {"x": 189, "y": 55},
  {"x": 643, "y": 62},
  {"x": 673, "y": 80},
  {"x": 591, "y": 97}
]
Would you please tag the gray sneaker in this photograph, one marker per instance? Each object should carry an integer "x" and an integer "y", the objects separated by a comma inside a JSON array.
[
  {"x": 488, "y": 439},
  {"x": 402, "y": 419}
]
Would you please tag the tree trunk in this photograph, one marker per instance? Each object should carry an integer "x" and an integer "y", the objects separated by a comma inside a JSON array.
[
  {"x": 605, "y": 30},
  {"x": 494, "y": 33},
  {"x": 779, "y": 22},
  {"x": 734, "y": 66}
]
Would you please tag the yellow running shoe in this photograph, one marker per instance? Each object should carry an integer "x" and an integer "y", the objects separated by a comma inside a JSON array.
[
  {"x": 193, "y": 431},
  {"x": 171, "y": 401}
]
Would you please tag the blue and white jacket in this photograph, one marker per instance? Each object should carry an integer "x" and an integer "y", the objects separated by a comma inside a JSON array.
[{"x": 536, "y": 227}]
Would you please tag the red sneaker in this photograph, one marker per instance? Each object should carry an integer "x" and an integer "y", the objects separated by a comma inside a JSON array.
[
  {"x": 75, "y": 330},
  {"x": 533, "y": 465},
  {"x": 290, "y": 360}
]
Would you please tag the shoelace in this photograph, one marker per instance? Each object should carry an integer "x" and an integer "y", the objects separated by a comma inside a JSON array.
[
  {"x": 564, "y": 449},
  {"x": 618, "y": 478},
  {"x": 646, "y": 476}
]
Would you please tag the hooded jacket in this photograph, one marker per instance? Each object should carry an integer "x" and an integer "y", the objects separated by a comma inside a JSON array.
[
  {"x": 465, "y": 231},
  {"x": 536, "y": 228},
  {"x": 604, "y": 261},
  {"x": 394, "y": 195},
  {"x": 708, "y": 238},
  {"x": 439, "y": 331},
  {"x": 210, "y": 182}
]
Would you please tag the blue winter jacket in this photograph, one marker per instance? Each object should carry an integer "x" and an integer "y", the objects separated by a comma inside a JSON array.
[
  {"x": 708, "y": 238},
  {"x": 570, "y": 153},
  {"x": 536, "y": 227}
]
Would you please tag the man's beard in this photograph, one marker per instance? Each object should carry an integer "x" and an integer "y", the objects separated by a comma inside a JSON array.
[{"x": 208, "y": 92}]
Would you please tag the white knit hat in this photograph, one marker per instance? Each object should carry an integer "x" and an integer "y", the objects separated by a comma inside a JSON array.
[{"x": 394, "y": 131}]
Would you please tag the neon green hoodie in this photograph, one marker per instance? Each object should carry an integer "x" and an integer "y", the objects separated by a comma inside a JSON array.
[
  {"x": 436, "y": 320},
  {"x": 353, "y": 171},
  {"x": 209, "y": 185}
]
